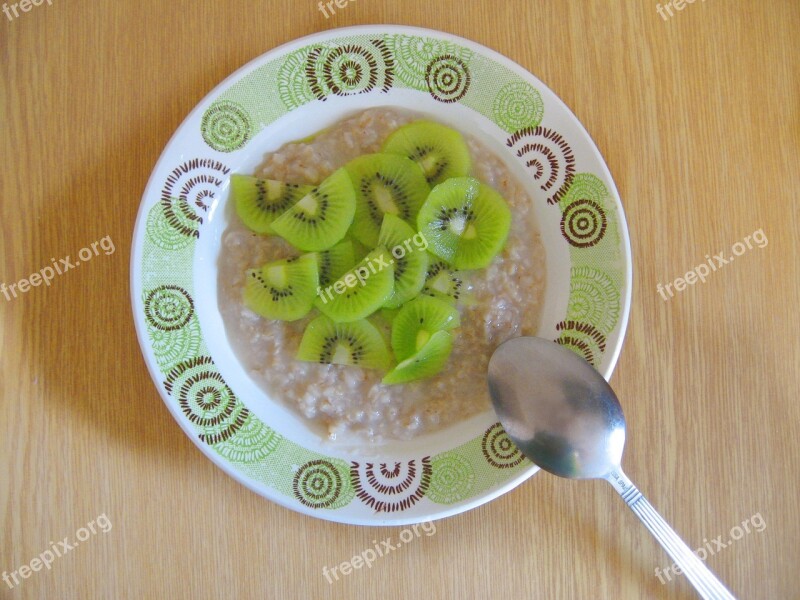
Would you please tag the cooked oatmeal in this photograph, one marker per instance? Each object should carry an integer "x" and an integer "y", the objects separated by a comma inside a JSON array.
[{"x": 502, "y": 301}]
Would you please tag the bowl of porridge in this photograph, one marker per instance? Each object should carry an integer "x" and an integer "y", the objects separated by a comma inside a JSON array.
[{"x": 311, "y": 423}]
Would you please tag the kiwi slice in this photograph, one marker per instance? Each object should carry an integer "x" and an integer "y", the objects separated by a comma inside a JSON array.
[
  {"x": 465, "y": 222},
  {"x": 335, "y": 262},
  {"x": 428, "y": 361},
  {"x": 322, "y": 217},
  {"x": 359, "y": 249},
  {"x": 440, "y": 151},
  {"x": 358, "y": 344},
  {"x": 410, "y": 260},
  {"x": 260, "y": 201},
  {"x": 388, "y": 314},
  {"x": 384, "y": 184},
  {"x": 284, "y": 289},
  {"x": 361, "y": 291},
  {"x": 417, "y": 321},
  {"x": 442, "y": 281}
]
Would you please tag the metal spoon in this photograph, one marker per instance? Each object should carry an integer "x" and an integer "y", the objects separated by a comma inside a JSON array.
[{"x": 565, "y": 418}]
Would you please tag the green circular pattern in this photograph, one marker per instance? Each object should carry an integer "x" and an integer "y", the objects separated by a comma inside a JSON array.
[
  {"x": 226, "y": 126},
  {"x": 413, "y": 55},
  {"x": 293, "y": 88},
  {"x": 317, "y": 484},
  {"x": 516, "y": 106},
  {"x": 252, "y": 443},
  {"x": 585, "y": 186},
  {"x": 593, "y": 298},
  {"x": 172, "y": 347},
  {"x": 162, "y": 234},
  {"x": 452, "y": 479}
]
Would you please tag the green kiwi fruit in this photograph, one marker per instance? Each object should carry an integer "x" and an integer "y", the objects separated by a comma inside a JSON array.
[
  {"x": 417, "y": 321},
  {"x": 260, "y": 201},
  {"x": 284, "y": 289},
  {"x": 384, "y": 184},
  {"x": 361, "y": 291},
  {"x": 322, "y": 217},
  {"x": 440, "y": 151},
  {"x": 410, "y": 260},
  {"x": 428, "y": 361},
  {"x": 388, "y": 314},
  {"x": 335, "y": 262},
  {"x": 358, "y": 344},
  {"x": 359, "y": 249},
  {"x": 442, "y": 281},
  {"x": 465, "y": 222}
]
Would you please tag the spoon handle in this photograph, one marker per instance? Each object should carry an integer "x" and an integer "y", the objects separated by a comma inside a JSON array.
[{"x": 701, "y": 577}]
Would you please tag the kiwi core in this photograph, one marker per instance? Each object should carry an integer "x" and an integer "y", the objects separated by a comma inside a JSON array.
[{"x": 309, "y": 204}]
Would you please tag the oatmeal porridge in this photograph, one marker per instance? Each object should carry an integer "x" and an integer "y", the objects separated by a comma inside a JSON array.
[{"x": 502, "y": 301}]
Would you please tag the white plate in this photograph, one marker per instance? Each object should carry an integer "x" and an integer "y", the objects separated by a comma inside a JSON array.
[{"x": 294, "y": 91}]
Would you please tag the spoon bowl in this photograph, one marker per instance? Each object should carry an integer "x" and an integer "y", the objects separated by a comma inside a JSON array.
[
  {"x": 565, "y": 418},
  {"x": 557, "y": 409}
]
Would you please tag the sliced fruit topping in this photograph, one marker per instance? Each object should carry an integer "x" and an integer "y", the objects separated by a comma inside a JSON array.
[
  {"x": 384, "y": 184},
  {"x": 440, "y": 152},
  {"x": 358, "y": 343},
  {"x": 418, "y": 321},
  {"x": 465, "y": 222},
  {"x": 442, "y": 281},
  {"x": 407, "y": 247},
  {"x": 361, "y": 291},
  {"x": 322, "y": 217},
  {"x": 284, "y": 289},
  {"x": 430, "y": 359},
  {"x": 260, "y": 201},
  {"x": 335, "y": 262},
  {"x": 388, "y": 314}
]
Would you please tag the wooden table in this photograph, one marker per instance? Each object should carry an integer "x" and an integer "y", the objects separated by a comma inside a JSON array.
[{"x": 697, "y": 115}]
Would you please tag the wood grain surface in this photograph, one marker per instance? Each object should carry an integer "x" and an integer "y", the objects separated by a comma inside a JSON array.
[{"x": 697, "y": 116}]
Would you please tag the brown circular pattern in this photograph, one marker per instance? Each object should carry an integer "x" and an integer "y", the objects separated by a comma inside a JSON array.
[
  {"x": 206, "y": 399},
  {"x": 583, "y": 223},
  {"x": 349, "y": 69},
  {"x": 391, "y": 488},
  {"x": 499, "y": 450},
  {"x": 447, "y": 78},
  {"x": 583, "y": 339},
  {"x": 168, "y": 308},
  {"x": 317, "y": 484},
  {"x": 546, "y": 153},
  {"x": 194, "y": 183}
]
